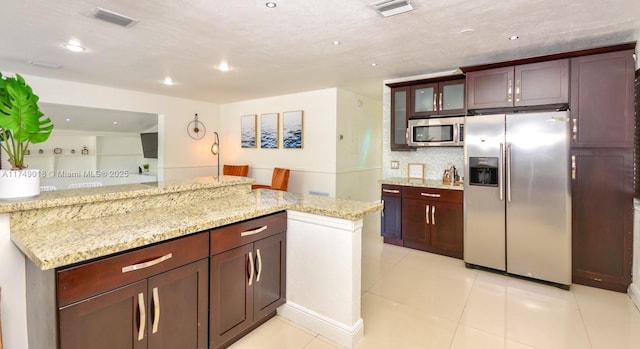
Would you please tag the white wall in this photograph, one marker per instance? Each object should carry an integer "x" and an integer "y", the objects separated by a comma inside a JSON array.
[
  {"x": 359, "y": 147},
  {"x": 183, "y": 158},
  {"x": 313, "y": 168}
]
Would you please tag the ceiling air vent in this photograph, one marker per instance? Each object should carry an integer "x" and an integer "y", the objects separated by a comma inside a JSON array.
[
  {"x": 113, "y": 17},
  {"x": 392, "y": 7}
]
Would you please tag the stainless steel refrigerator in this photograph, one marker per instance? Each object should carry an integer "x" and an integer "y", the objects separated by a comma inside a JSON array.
[{"x": 517, "y": 199}]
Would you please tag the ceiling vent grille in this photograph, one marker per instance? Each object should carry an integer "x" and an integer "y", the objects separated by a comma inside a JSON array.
[
  {"x": 113, "y": 17},
  {"x": 392, "y": 7}
]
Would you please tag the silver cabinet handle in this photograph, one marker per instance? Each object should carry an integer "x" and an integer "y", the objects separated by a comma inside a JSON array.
[
  {"x": 574, "y": 130},
  {"x": 517, "y": 90},
  {"x": 259, "y": 265},
  {"x": 435, "y": 101},
  {"x": 156, "y": 310},
  {"x": 430, "y": 195},
  {"x": 427, "y": 213},
  {"x": 509, "y": 91},
  {"x": 500, "y": 172},
  {"x": 148, "y": 264},
  {"x": 392, "y": 191},
  {"x": 441, "y": 107},
  {"x": 253, "y": 232},
  {"x": 433, "y": 216},
  {"x": 251, "y": 268},
  {"x": 508, "y": 172},
  {"x": 382, "y": 208},
  {"x": 573, "y": 167},
  {"x": 143, "y": 317}
]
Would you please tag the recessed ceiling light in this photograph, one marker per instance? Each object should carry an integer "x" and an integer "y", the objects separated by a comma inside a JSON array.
[
  {"x": 74, "y": 47},
  {"x": 336, "y": 42},
  {"x": 67, "y": 119},
  {"x": 466, "y": 31},
  {"x": 224, "y": 67},
  {"x": 374, "y": 64},
  {"x": 115, "y": 122},
  {"x": 168, "y": 81},
  {"x": 270, "y": 4},
  {"x": 514, "y": 37}
]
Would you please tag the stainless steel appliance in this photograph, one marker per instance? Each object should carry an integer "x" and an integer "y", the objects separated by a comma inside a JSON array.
[
  {"x": 517, "y": 201},
  {"x": 441, "y": 132}
]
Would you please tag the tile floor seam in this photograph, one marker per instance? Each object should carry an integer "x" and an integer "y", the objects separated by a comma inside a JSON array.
[
  {"x": 464, "y": 307},
  {"x": 584, "y": 324}
]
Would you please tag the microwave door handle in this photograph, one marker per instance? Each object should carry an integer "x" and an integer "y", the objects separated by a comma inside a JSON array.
[{"x": 406, "y": 136}]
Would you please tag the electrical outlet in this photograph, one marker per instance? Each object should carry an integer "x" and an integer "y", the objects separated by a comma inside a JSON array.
[{"x": 395, "y": 164}]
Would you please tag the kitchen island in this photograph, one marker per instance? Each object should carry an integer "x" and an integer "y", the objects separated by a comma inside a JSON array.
[{"x": 63, "y": 228}]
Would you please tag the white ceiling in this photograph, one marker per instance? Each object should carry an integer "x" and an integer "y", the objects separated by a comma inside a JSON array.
[{"x": 289, "y": 49}]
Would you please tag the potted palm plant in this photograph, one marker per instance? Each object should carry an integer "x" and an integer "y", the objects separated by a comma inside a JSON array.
[{"x": 21, "y": 123}]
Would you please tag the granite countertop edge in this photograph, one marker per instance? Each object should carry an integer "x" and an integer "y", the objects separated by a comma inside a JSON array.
[
  {"x": 63, "y": 244},
  {"x": 423, "y": 183}
]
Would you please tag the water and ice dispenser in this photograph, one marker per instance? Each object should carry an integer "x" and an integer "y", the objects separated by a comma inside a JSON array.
[{"x": 483, "y": 171}]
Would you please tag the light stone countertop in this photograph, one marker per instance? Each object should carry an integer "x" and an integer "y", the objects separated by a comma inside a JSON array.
[
  {"x": 69, "y": 242},
  {"x": 426, "y": 183}
]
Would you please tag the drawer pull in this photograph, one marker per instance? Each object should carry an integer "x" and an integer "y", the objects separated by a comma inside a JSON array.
[
  {"x": 253, "y": 232},
  {"x": 251, "y": 268},
  {"x": 143, "y": 317},
  {"x": 258, "y": 265},
  {"x": 430, "y": 195},
  {"x": 148, "y": 264},
  {"x": 392, "y": 191},
  {"x": 156, "y": 310}
]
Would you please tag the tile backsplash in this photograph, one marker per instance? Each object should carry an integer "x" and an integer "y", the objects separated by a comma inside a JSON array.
[{"x": 435, "y": 159}]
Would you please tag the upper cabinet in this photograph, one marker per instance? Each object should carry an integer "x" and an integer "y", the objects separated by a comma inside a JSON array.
[
  {"x": 400, "y": 101},
  {"x": 602, "y": 100},
  {"x": 438, "y": 98},
  {"x": 534, "y": 84}
]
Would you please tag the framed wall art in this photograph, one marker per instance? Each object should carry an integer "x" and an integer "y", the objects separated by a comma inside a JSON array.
[
  {"x": 269, "y": 131},
  {"x": 292, "y": 129},
  {"x": 248, "y": 131}
]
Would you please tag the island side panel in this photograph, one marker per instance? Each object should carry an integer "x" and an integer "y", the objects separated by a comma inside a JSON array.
[
  {"x": 324, "y": 257},
  {"x": 41, "y": 307}
]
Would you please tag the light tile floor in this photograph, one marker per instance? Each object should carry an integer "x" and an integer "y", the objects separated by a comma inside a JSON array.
[{"x": 413, "y": 299}]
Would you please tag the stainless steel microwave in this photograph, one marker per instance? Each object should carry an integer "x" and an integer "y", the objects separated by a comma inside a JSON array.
[{"x": 436, "y": 132}]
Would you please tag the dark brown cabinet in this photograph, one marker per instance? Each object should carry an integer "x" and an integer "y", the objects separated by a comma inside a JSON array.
[
  {"x": 534, "y": 84},
  {"x": 391, "y": 220},
  {"x": 166, "y": 305},
  {"x": 400, "y": 102},
  {"x": 602, "y": 100},
  {"x": 602, "y": 219},
  {"x": 438, "y": 98},
  {"x": 248, "y": 267},
  {"x": 432, "y": 220}
]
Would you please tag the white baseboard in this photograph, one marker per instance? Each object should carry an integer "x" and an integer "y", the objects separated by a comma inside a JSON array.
[
  {"x": 634, "y": 293},
  {"x": 340, "y": 333}
]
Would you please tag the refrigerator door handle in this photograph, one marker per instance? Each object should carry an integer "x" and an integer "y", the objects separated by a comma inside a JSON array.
[
  {"x": 501, "y": 172},
  {"x": 508, "y": 172}
]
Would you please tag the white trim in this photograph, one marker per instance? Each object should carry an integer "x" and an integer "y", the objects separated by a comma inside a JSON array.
[
  {"x": 634, "y": 294},
  {"x": 331, "y": 329}
]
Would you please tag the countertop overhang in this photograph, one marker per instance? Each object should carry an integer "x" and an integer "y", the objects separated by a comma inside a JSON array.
[
  {"x": 425, "y": 183},
  {"x": 69, "y": 241}
]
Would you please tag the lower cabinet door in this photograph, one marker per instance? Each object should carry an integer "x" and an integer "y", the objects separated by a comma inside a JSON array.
[
  {"x": 415, "y": 223},
  {"x": 392, "y": 217},
  {"x": 231, "y": 291},
  {"x": 269, "y": 291},
  {"x": 178, "y": 307},
  {"x": 446, "y": 228},
  {"x": 115, "y": 319}
]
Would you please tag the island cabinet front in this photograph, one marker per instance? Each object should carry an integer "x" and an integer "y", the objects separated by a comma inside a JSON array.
[
  {"x": 153, "y": 297},
  {"x": 248, "y": 267}
]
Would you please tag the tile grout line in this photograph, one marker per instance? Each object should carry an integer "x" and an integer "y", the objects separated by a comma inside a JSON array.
[
  {"x": 464, "y": 308},
  {"x": 584, "y": 325}
]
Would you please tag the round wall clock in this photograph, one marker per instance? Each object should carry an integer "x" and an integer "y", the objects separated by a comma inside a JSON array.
[{"x": 196, "y": 129}]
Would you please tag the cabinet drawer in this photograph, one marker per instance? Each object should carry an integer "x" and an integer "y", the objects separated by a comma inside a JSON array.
[
  {"x": 79, "y": 282},
  {"x": 235, "y": 235},
  {"x": 453, "y": 196},
  {"x": 391, "y": 190}
]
